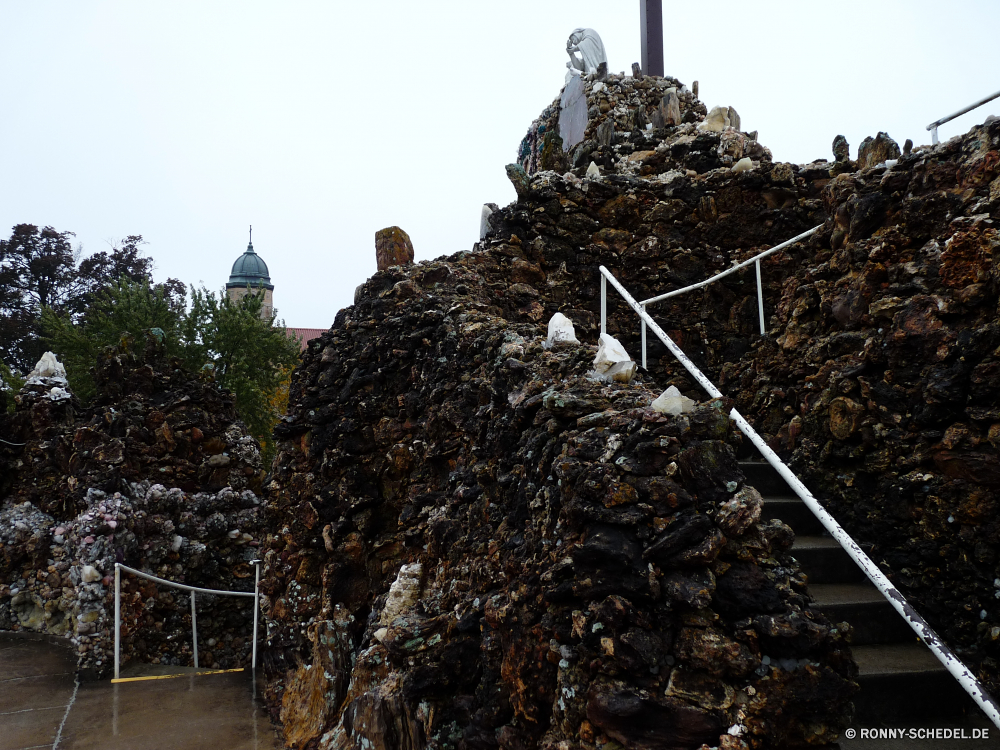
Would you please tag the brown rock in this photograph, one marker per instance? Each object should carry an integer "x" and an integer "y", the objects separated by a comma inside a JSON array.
[
  {"x": 874, "y": 151},
  {"x": 392, "y": 248},
  {"x": 845, "y": 417}
]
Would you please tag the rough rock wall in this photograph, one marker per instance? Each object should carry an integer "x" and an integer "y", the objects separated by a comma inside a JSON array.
[
  {"x": 479, "y": 546},
  {"x": 878, "y": 375},
  {"x": 157, "y": 475},
  {"x": 881, "y": 379}
]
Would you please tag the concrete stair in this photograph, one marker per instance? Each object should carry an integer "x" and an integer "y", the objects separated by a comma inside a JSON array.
[{"x": 902, "y": 682}]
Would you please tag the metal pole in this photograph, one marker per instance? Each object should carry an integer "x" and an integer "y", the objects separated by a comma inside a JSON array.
[
  {"x": 256, "y": 607},
  {"x": 735, "y": 268},
  {"x": 118, "y": 617},
  {"x": 934, "y": 125},
  {"x": 643, "y": 342},
  {"x": 760, "y": 299},
  {"x": 604, "y": 303},
  {"x": 194, "y": 632},
  {"x": 651, "y": 36}
]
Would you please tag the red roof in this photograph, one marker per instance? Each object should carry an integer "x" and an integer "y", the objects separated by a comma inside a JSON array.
[{"x": 304, "y": 335}]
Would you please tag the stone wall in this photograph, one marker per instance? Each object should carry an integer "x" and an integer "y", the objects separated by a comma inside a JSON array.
[{"x": 157, "y": 474}]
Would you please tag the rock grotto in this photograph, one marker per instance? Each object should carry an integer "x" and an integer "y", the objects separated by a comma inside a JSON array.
[{"x": 473, "y": 540}]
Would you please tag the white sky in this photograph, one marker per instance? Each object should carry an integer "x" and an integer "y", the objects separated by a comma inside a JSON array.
[{"x": 322, "y": 122}]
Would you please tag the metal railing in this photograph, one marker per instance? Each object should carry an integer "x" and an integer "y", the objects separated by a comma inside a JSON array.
[
  {"x": 193, "y": 590},
  {"x": 733, "y": 269},
  {"x": 934, "y": 125},
  {"x": 895, "y": 598}
]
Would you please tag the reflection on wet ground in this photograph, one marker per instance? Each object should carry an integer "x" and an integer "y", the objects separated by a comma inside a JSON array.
[{"x": 43, "y": 706}]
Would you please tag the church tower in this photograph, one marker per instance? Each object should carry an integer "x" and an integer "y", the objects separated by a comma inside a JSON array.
[{"x": 250, "y": 275}]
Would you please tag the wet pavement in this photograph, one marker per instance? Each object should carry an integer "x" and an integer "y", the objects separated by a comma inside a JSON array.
[{"x": 43, "y": 706}]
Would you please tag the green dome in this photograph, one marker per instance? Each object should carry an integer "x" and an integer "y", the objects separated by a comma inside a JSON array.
[{"x": 250, "y": 270}]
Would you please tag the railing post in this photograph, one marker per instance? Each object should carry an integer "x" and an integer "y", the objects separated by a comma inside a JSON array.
[
  {"x": 118, "y": 617},
  {"x": 194, "y": 632},
  {"x": 256, "y": 607},
  {"x": 643, "y": 339},
  {"x": 760, "y": 299},
  {"x": 934, "y": 136},
  {"x": 604, "y": 303}
]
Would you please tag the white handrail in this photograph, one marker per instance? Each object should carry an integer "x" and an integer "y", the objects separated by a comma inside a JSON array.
[
  {"x": 934, "y": 125},
  {"x": 184, "y": 587},
  {"x": 732, "y": 269},
  {"x": 895, "y": 598}
]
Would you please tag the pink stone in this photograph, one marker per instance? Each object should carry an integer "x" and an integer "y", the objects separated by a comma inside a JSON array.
[
  {"x": 113, "y": 524},
  {"x": 88, "y": 540}
]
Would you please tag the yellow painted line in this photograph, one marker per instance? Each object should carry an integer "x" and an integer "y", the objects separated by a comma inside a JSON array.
[{"x": 171, "y": 676}]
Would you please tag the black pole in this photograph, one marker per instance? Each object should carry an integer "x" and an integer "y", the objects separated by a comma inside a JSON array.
[{"x": 651, "y": 22}]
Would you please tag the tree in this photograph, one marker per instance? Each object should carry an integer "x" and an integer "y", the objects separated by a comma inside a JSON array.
[
  {"x": 39, "y": 269},
  {"x": 126, "y": 307},
  {"x": 251, "y": 357}
]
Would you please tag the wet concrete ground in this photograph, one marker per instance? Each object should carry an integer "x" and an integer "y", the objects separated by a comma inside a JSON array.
[{"x": 42, "y": 706}]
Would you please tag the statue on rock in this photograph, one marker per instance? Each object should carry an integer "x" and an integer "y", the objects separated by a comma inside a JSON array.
[{"x": 586, "y": 52}]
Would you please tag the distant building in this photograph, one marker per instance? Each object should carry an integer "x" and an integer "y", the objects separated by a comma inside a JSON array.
[
  {"x": 250, "y": 275},
  {"x": 304, "y": 335}
]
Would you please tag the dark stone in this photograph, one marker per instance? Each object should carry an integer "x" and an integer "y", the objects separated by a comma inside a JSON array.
[{"x": 643, "y": 722}]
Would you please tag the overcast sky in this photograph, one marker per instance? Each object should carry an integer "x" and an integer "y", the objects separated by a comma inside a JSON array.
[{"x": 322, "y": 122}]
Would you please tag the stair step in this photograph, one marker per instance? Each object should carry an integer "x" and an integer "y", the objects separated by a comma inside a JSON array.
[
  {"x": 794, "y": 512},
  {"x": 762, "y": 476},
  {"x": 824, "y": 561},
  {"x": 862, "y": 605},
  {"x": 904, "y": 681}
]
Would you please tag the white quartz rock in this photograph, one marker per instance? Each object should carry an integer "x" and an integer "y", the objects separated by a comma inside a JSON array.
[
  {"x": 593, "y": 171},
  {"x": 48, "y": 367},
  {"x": 50, "y": 372},
  {"x": 621, "y": 372},
  {"x": 560, "y": 331},
  {"x": 89, "y": 574},
  {"x": 671, "y": 401},
  {"x": 609, "y": 351},
  {"x": 403, "y": 593},
  {"x": 717, "y": 120},
  {"x": 743, "y": 165}
]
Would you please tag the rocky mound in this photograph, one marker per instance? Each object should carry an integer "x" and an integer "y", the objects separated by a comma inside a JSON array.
[
  {"x": 877, "y": 378},
  {"x": 483, "y": 546},
  {"x": 156, "y": 475}
]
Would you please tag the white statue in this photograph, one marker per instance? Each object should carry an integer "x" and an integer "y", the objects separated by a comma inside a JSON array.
[{"x": 586, "y": 52}]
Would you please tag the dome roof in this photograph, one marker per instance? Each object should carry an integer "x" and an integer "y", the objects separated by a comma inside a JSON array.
[{"x": 250, "y": 270}]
